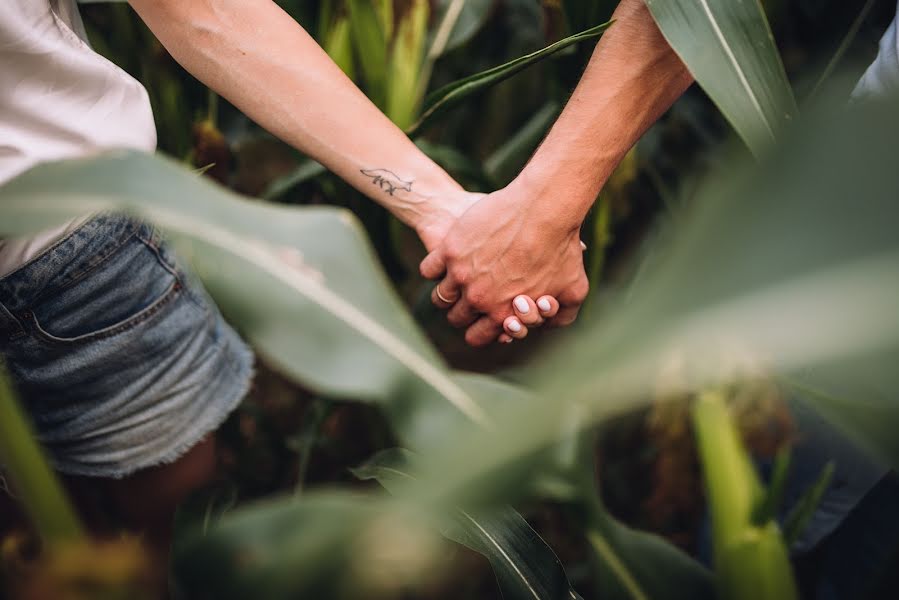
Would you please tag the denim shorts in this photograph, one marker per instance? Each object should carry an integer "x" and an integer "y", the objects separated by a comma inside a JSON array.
[{"x": 118, "y": 356}]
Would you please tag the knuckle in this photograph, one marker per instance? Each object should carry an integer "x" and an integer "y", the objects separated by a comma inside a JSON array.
[
  {"x": 580, "y": 290},
  {"x": 452, "y": 251},
  {"x": 563, "y": 321},
  {"x": 459, "y": 273},
  {"x": 531, "y": 318},
  {"x": 476, "y": 296},
  {"x": 475, "y": 338},
  {"x": 457, "y": 320}
]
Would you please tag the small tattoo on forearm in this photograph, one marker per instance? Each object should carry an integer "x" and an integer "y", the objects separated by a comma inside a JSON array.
[{"x": 387, "y": 180}]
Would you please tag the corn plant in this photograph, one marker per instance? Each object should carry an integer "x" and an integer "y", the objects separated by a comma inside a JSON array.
[{"x": 779, "y": 258}]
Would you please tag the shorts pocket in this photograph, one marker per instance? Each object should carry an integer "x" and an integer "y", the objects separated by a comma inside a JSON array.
[{"x": 128, "y": 288}]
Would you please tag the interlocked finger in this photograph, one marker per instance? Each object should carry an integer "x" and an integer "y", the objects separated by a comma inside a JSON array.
[{"x": 444, "y": 295}]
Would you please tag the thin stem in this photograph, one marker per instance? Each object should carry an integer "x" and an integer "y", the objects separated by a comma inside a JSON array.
[
  {"x": 35, "y": 484},
  {"x": 842, "y": 48},
  {"x": 315, "y": 415},
  {"x": 731, "y": 485},
  {"x": 607, "y": 555},
  {"x": 213, "y": 107},
  {"x": 441, "y": 39}
]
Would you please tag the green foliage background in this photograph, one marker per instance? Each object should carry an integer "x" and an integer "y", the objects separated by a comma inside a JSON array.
[{"x": 286, "y": 439}]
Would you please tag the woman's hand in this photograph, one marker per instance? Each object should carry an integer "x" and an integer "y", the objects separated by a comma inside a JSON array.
[{"x": 439, "y": 214}]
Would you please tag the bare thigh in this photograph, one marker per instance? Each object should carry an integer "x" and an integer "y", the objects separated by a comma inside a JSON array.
[{"x": 143, "y": 504}]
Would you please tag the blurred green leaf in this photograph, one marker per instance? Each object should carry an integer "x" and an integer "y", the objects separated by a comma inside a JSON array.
[
  {"x": 786, "y": 266},
  {"x": 339, "y": 46},
  {"x": 36, "y": 486},
  {"x": 525, "y": 567},
  {"x": 468, "y": 172},
  {"x": 756, "y": 565},
  {"x": 801, "y": 513},
  {"x": 306, "y": 170},
  {"x": 451, "y": 95},
  {"x": 384, "y": 10},
  {"x": 635, "y": 565},
  {"x": 507, "y": 161},
  {"x": 370, "y": 40},
  {"x": 732, "y": 486},
  {"x": 321, "y": 545},
  {"x": 467, "y": 18},
  {"x": 840, "y": 52},
  {"x": 770, "y": 504},
  {"x": 857, "y": 396},
  {"x": 327, "y": 12},
  {"x": 329, "y": 317},
  {"x": 729, "y": 49},
  {"x": 751, "y": 559},
  {"x": 405, "y": 68}
]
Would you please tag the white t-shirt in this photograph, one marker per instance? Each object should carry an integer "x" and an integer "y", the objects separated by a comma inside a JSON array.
[
  {"x": 882, "y": 77},
  {"x": 59, "y": 99}
]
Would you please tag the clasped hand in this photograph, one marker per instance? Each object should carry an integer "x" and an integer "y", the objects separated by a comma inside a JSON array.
[{"x": 496, "y": 258}]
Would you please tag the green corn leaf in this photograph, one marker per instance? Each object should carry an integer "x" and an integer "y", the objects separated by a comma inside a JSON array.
[
  {"x": 459, "y": 21},
  {"x": 406, "y": 59},
  {"x": 751, "y": 561},
  {"x": 757, "y": 254},
  {"x": 384, "y": 10},
  {"x": 33, "y": 481},
  {"x": 729, "y": 49},
  {"x": 329, "y": 318},
  {"x": 339, "y": 46},
  {"x": 756, "y": 565},
  {"x": 525, "y": 567},
  {"x": 326, "y": 13},
  {"x": 306, "y": 170},
  {"x": 451, "y": 95},
  {"x": 781, "y": 264},
  {"x": 840, "y": 52},
  {"x": 635, "y": 565},
  {"x": 802, "y": 513},
  {"x": 857, "y": 398},
  {"x": 465, "y": 170},
  {"x": 321, "y": 545},
  {"x": 370, "y": 41},
  {"x": 732, "y": 487},
  {"x": 507, "y": 161},
  {"x": 770, "y": 504}
]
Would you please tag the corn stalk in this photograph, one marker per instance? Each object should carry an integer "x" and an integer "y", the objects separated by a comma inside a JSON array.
[
  {"x": 751, "y": 560},
  {"x": 36, "y": 486}
]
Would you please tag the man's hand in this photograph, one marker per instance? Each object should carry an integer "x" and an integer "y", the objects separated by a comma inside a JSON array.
[
  {"x": 524, "y": 238},
  {"x": 498, "y": 250}
]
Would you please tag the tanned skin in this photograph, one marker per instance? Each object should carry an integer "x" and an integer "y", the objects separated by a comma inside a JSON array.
[{"x": 524, "y": 238}]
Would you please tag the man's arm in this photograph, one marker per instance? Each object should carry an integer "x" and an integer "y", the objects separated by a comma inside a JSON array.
[
  {"x": 524, "y": 238},
  {"x": 633, "y": 77},
  {"x": 255, "y": 55}
]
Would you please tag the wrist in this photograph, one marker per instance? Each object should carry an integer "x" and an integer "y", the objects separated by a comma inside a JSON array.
[
  {"x": 558, "y": 203},
  {"x": 426, "y": 197},
  {"x": 439, "y": 211}
]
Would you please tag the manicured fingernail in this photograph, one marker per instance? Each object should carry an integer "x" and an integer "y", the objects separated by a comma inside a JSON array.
[
  {"x": 544, "y": 305},
  {"x": 522, "y": 305},
  {"x": 514, "y": 326},
  {"x": 583, "y": 245}
]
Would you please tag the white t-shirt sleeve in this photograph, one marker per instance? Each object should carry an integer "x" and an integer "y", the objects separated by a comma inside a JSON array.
[{"x": 882, "y": 77}]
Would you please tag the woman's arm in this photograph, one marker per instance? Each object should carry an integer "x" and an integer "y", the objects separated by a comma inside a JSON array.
[{"x": 256, "y": 56}]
